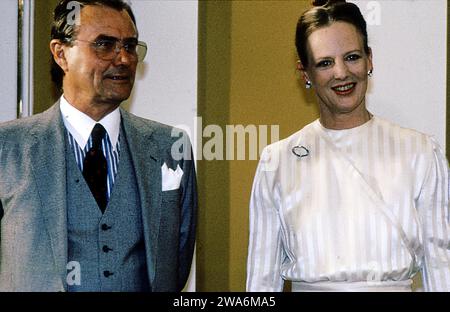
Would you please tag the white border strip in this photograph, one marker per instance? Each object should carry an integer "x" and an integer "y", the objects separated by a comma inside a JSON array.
[{"x": 27, "y": 46}]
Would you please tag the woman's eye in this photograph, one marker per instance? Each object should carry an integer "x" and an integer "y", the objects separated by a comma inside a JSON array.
[{"x": 353, "y": 57}]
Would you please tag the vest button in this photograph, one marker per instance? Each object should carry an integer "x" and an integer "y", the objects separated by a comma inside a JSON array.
[
  {"x": 107, "y": 273},
  {"x": 106, "y": 249},
  {"x": 105, "y": 227}
]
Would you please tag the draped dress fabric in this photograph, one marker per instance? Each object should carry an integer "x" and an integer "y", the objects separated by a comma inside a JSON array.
[{"x": 366, "y": 210}]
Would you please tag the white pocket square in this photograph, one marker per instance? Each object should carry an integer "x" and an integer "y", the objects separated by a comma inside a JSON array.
[{"x": 171, "y": 179}]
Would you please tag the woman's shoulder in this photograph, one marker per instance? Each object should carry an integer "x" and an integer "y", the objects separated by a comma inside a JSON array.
[
  {"x": 407, "y": 135},
  {"x": 395, "y": 129}
]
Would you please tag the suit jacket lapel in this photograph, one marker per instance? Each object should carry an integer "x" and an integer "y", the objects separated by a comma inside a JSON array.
[
  {"x": 49, "y": 168},
  {"x": 147, "y": 166}
]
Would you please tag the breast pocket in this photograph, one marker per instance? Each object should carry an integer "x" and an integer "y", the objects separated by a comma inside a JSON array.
[{"x": 172, "y": 196}]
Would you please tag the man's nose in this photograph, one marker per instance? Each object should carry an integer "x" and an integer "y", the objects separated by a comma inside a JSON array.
[{"x": 122, "y": 55}]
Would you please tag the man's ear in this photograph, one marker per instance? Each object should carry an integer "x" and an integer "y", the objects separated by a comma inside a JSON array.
[{"x": 58, "y": 50}]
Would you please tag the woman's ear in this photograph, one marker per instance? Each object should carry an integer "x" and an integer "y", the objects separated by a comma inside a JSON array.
[
  {"x": 301, "y": 68},
  {"x": 370, "y": 59},
  {"x": 57, "y": 49}
]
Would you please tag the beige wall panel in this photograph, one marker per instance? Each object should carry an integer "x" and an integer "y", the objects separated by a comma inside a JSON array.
[
  {"x": 213, "y": 234},
  {"x": 266, "y": 89},
  {"x": 44, "y": 91}
]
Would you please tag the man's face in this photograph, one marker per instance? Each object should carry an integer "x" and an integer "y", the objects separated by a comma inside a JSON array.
[{"x": 89, "y": 79}]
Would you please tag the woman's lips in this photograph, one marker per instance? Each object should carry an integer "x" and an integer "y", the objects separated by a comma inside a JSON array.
[{"x": 344, "y": 89}]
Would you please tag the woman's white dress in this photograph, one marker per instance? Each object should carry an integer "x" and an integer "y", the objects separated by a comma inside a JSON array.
[{"x": 358, "y": 209}]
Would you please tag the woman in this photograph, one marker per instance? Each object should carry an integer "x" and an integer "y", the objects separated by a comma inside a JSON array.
[{"x": 351, "y": 202}]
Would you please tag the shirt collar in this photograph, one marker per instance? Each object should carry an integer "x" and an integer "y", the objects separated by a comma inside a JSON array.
[{"x": 80, "y": 125}]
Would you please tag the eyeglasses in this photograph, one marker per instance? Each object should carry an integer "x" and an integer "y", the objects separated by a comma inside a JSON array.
[{"x": 109, "y": 47}]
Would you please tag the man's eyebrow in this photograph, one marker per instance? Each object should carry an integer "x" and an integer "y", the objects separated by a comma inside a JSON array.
[{"x": 106, "y": 37}]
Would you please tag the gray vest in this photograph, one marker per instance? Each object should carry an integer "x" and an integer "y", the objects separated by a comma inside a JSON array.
[{"x": 109, "y": 248}]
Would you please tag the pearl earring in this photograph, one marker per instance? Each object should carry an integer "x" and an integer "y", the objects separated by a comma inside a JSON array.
[
  {"x": 308, "y": 84},
  {"x": 370, "y": 73}
]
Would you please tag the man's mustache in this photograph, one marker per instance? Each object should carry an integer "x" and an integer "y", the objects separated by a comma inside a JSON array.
[{"x": 122, "y": 71}]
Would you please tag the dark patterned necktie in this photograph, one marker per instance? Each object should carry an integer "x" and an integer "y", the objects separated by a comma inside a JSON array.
[{"x": 95, "y": 169}]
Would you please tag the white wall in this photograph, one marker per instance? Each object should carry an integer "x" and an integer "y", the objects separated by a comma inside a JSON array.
[
  {"x": 409, "y": 42},
  {"x": 166, "y": 83},
  {"x": 8, "y": 59}
]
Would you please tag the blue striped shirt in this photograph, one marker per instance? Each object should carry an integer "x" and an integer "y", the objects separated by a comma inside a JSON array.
[{"x": 111, "y": 155}]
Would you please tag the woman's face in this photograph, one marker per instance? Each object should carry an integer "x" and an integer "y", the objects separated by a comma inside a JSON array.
[{"x": 338, "y": 67}]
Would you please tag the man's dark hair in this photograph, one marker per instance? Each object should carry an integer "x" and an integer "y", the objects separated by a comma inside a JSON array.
[
  {"x": 66, "y": 32},
  {"x": 323, "y": 14}
]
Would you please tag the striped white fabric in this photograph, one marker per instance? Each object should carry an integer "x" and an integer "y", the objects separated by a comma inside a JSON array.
[
  {"x": 111, "y": 155},
  {"x": 366, "y": 205}
]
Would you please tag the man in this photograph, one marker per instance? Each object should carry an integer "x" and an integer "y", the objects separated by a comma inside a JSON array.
[{"x": 93, "y": 198}]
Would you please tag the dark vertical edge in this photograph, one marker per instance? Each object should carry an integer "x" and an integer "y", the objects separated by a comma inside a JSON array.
[{"x": 214, "y": 62}]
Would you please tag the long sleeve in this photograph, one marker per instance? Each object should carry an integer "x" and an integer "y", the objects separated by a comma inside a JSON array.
[
  {"x": 433, "y": 205},
  {"x": 188, "y": 216},
  {"x": 265, "y": 253}
]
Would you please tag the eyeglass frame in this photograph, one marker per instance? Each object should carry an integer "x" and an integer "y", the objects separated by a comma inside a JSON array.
[{"x": 123, "y": 42}]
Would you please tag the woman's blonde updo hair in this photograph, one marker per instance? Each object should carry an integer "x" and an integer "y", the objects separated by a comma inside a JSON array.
[{"x": 323, "y": 14}]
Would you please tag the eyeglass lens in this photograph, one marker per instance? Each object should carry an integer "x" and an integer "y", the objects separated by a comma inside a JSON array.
[{"x": 108, "y": 48}]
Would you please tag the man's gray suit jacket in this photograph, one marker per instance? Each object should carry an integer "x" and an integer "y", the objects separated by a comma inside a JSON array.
[{"x": 33, "y": 208}]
